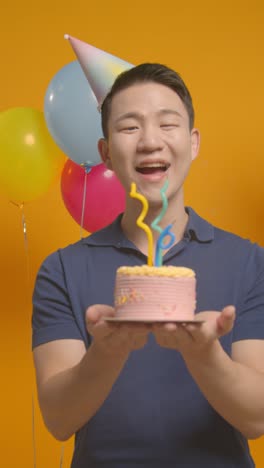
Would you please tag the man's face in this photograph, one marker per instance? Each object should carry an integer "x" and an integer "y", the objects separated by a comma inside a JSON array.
[{"x": 149, "y": 139}]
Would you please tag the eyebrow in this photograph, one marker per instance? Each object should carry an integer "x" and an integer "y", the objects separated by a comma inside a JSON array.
[
  {"x": 137, "y": 115},
  {"x": 170, "y": 111}
]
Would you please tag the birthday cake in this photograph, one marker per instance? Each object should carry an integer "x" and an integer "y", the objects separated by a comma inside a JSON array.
[{"x": 151, "y": 293}]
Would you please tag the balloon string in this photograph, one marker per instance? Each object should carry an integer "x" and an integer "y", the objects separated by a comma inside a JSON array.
[
  {"x": 62, "y": 456},
  {"x": 34, "y": 434},
  {"x": 24, "y": 230},
  {"x": 24, "y": 227},
  {"x": 87, "y": 170}
]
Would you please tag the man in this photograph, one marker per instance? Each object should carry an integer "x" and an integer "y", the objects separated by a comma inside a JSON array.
[{"x": 152, "y": 396}]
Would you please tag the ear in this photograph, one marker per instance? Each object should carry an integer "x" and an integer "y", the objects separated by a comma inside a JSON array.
[
  {"x": 195, "y": 142},
  {"x": 102, "y": 146}
]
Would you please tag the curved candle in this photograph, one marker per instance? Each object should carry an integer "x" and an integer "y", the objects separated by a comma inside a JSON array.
[
  {"x": 157, "y": 220},
  {"x": 161, "y": 245},
  {"x": 144, "y": 226},
  {"x": 163, "y": 232}
]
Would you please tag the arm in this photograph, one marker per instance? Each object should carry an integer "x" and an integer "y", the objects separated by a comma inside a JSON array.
[
  {"x": 233, "y": 386},
  {"x": 72, "y": 382}
]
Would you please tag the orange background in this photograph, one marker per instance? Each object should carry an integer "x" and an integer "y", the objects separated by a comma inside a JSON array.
[{"x": 219, "y": 52}]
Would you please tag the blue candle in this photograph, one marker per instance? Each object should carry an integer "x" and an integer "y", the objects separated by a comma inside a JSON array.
[{"x": 161, "y": 245}]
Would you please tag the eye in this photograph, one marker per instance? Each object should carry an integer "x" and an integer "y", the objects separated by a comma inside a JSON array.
[
  {"x": 168, "y": 126},
  {"x": 129, "y": 129}
]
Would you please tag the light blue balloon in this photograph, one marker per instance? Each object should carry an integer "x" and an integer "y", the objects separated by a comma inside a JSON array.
[{"x": 71, "y": 114}]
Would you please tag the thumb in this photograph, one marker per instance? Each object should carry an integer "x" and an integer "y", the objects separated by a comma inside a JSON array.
[
  {"x": 96, "y": 312},
  {"x": 226, "y": 319}
]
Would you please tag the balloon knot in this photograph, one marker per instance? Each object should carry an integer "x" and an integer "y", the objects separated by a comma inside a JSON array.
[{"x": 87, "y": 167}]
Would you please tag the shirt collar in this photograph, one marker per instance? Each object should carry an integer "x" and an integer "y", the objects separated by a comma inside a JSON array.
[
  {"x": 197, "y": 229},
  {"x": 111, "y": 235}
]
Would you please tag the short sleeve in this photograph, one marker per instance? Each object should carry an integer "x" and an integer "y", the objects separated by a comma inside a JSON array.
[
  {"x": 250, "y": 311},
  {"x": 53, "y": 317}
]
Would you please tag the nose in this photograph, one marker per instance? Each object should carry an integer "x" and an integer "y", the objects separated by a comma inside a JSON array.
[{"x": 150, "y": 139}]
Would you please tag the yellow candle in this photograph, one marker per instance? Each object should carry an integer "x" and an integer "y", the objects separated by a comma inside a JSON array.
[{"x": 144, "y": 226}]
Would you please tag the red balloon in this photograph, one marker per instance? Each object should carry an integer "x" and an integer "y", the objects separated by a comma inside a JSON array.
[{"x": 104, "y": 197}]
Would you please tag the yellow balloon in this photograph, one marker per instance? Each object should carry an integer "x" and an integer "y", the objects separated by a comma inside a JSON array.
[{"x": 30, "y": 160}]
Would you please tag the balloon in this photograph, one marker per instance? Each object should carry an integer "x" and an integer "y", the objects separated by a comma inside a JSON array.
[
  {"x": 71, "y": 114},
  {"x": 104, "y": 199},
  {"x": 29, "y": 159}
]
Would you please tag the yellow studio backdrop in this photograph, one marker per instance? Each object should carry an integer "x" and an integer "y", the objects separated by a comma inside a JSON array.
[{"x": 218, "y": 49}]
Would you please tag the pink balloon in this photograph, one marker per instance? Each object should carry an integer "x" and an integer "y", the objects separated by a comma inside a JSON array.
[{"x": 104, "y": 199}]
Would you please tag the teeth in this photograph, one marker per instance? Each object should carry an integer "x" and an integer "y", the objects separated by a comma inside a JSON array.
[{"x": 153, "y": 165}]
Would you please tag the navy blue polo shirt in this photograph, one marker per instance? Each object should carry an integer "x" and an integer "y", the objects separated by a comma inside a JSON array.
[{"x": 155, "y": 415}]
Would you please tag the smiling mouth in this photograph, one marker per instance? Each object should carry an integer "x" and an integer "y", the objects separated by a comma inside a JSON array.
[{"x": 152, "y": 168}]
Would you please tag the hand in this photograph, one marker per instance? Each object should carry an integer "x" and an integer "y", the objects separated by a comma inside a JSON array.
[
  {"x": 195, "y": 339},
  {"x": 114, "y": 338}
]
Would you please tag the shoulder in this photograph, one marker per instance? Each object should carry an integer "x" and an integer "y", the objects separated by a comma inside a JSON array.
[
  {"x": 236, "y": 244},
  {"x": 240, "y": 255},
  {"x": 75, "y": 251},
  {"x": 56, "y": 259},
  {"x": 219, "y": 239},
  {"x": 87, "y": 252},
  {"x": 224, "y": 238},
  {"x": 222, "y": 248}
]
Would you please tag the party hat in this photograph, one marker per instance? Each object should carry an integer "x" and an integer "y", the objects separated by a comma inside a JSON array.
[{"x": 100, "y": 68}]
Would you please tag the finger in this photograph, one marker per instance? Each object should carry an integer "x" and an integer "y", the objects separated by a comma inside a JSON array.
[
  {"x": 95, "y": 312},
  {"x": 126, "y": 342},
  {"x": 170, "y": 342},
  {"x": 172, "y": 329},
  {"x": 139, "y": 342},
  {"x": 95, "y": 324},
  {"x": 226, "y": 320},
  {"x": 101, "y": 330},
  {"x": 229, "y": 311},
  {"x": 164, "y": 327},
  {"x": 204, "y": 332},
  {"x": 216, "y": 324},
  {"x": 127, "y": 336},
  {"x": 166, "y": 335}
]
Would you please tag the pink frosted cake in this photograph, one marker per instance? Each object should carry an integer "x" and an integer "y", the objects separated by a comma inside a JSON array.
[{"x": 155, "y": 293}]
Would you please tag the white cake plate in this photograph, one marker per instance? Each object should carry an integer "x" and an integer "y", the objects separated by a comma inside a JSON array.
[{"x": 138, "y": 320}]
